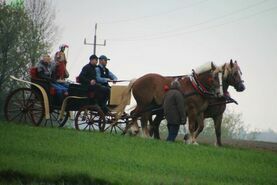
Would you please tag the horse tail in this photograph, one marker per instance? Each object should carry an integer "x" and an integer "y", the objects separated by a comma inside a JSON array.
[{"x": 125, "y": 99}]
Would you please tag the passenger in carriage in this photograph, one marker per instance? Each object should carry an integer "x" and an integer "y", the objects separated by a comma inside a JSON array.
[
  {"x": 44, "y": 68},
  {"x": 59, "y": 69},
  {"x": 104, "y": 75},
  {"x": 174, "y": 110},
  {"x": 87, "y": 77}
]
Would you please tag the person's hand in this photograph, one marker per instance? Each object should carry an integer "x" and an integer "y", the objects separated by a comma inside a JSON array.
[
  {"x": 92, "y": 82},
  {"x": 113, "y": 81}
]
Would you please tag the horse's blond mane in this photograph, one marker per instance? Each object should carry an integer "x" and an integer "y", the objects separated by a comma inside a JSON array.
[
  {"x": 204, "y": 67},
  {"x": 225, "y": 69}
]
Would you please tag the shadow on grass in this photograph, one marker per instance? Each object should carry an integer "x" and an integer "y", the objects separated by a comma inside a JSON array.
[{"x": 14, "y": 177}]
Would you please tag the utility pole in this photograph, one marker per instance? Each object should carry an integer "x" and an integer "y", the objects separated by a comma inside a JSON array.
[{"x": 94, "y": 41}]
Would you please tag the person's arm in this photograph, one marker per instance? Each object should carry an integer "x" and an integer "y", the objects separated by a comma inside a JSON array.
[
  {"x": 53, "y": 70},
  {"x": 100, "y": 79},
  {"x": 181, "y": 107},
  {"x": 82, "y": 77},
  {"x": 112, "y": 76},
  {"x": 43, "y": 76}
]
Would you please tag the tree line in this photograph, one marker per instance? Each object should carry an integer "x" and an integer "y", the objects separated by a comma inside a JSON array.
[{"x": 27, "y": 30}]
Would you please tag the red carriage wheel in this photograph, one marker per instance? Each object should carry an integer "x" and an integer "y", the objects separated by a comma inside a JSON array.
[
  {"x": 90, "y": 118},
  {"x": 24, "y": 106}
]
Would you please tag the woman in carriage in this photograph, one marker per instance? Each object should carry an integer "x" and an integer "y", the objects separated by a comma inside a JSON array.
[{"x": 45, "y": 70}]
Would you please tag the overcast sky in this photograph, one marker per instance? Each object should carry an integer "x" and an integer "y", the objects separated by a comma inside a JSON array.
[{"x": 171, "y": 37}]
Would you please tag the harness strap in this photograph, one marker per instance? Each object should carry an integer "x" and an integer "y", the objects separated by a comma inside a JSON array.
[{"x": 199, "y": 87}]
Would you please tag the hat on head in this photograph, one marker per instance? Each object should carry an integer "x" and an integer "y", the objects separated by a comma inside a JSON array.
[
  {"x": 175, "y": 84},
  {"x": 93, "y": 57},
  {"x": 63, "y": 46},
  {"x": 103, "y": 57}
]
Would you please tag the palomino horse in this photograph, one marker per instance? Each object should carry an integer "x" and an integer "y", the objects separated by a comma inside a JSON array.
[
  {"x": 148, "y": 92},
  {"x": 231, "y": 76}
]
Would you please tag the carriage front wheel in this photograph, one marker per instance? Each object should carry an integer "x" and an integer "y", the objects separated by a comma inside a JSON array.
[
  {"x": 90, "y": 118},
  {"x": 24, "y": 106},
  {"x": 54, "y": 120}
]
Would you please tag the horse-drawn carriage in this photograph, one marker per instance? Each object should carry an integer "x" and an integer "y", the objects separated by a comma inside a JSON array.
[{"x": 40, "y": 103}]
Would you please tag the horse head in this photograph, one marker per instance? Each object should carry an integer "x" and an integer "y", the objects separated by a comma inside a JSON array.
[
  {"x": 207, "y": 76},
  {"x": 232, "y": 76}
]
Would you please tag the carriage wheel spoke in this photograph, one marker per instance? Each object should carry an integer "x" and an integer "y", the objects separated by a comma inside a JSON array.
[
  {"x": 86, "y": 127},
  {"x": 21, "y": 117},
  {"x": 13, "y": 118}
]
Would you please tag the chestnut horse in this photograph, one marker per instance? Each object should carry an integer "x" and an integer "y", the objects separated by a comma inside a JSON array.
[
  {"x": 231, "y": 76},
  {"x": 149, "y": 93}
]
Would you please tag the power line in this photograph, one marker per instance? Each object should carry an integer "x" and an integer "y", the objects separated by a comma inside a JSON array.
[
  {"x": 210, "y": 27},
  {"x": 155, "y": 15},
  {"x": 169, "y": 35},
  {"x": 188, "y": 27}
]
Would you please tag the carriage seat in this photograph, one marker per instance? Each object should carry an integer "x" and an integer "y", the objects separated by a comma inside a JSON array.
[{"x": 49, "y": 88}]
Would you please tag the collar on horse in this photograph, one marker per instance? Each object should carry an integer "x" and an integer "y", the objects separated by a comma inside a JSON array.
[{"x": 198, "y": 86}]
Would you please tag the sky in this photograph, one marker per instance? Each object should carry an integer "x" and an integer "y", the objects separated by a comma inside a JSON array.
[{"x": 172, "y": 37}]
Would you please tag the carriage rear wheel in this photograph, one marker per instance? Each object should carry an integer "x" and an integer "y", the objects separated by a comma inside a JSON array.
[
  {"x": 114, "y": 125},
  {"x": 90, "y": 118},
  {"x": 24, "y": 106},
  {"x": 54, "y": 120}
]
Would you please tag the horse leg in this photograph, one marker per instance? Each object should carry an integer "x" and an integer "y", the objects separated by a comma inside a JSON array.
[
  {"x": 217, "y": 126},
  {"x": 191, "y": 121},
  {"x": 151, "y": 126},
  {"x": 200, "y": 126},
  {"x": 156, "y": 125},
  {"x": 144, "y": 125}
]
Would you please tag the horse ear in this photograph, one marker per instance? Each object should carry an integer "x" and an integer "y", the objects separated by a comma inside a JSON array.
[
  {"x": 235, "y": 62},
  {"x": 231, "y": 63}
]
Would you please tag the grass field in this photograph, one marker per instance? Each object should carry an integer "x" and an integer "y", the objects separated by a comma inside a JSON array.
[{"x": 37, "y": 155}]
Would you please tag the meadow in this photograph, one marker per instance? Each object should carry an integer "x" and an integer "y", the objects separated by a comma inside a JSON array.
[{"x": 39, "y": 155}]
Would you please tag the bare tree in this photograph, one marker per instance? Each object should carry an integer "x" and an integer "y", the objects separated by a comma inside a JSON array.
[
  {"x": 43, "y": 29},
  {"x": 27, "y": 30}
]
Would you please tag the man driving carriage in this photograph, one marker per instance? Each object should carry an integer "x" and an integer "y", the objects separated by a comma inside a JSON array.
[
  {"x": 104, "y": 75},
  {"x": 88, "y": 78}
]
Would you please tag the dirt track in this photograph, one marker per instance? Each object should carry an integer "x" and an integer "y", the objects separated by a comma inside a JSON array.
[{"x": 259, "y": 145}]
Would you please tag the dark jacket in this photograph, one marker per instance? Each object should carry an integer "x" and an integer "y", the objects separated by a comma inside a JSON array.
[
  {"x": 87, "y": 74},
  {"x": 44, "y": 70},
  {"x": 174, "y": 107}
]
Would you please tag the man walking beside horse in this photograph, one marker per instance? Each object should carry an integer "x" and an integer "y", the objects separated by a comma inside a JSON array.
[{"x": 174, "y": 109}]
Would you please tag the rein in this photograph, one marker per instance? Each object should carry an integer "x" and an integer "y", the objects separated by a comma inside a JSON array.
[
  {"x": 198, "y": 86},
  {"x": 227, "y": 100}
]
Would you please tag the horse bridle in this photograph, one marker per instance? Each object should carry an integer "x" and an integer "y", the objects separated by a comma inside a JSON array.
[{"x": 235, "y": 83}]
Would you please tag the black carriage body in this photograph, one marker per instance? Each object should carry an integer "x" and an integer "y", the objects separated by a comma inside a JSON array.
[{"x": 83, "y": 97}]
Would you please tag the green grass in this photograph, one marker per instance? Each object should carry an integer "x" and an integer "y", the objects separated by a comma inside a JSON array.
[{"x": 37, "y": 155}]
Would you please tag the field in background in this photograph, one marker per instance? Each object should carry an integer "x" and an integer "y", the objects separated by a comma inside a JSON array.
[{"x": 35, "y": 155}]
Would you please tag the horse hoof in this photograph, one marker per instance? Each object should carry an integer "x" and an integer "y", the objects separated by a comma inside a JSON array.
[{"x": 188, "y": 141}]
